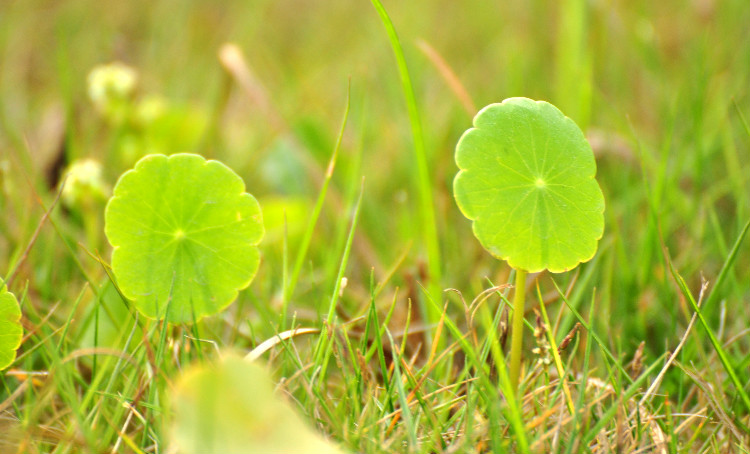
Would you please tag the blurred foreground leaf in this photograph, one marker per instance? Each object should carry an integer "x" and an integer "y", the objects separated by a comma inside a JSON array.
[{"x": 231, "y": 408}]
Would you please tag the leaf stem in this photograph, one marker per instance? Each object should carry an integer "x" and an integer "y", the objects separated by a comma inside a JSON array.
[{"x": 519, "y": 299}]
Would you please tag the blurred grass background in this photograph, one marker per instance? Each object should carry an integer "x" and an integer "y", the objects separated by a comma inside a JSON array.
[
  {"x": 660, "y": 88},
  {"x": 657, "y": 87}
]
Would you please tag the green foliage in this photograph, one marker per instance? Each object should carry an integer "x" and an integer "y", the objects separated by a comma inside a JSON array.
[
  {"x": 11, "y": 330},
  {"x": 659, "y": 89},
  {"x": 527, "y": 183},
  {"x": 184, "y": 234},
  {"x": 231, "y": 408}
]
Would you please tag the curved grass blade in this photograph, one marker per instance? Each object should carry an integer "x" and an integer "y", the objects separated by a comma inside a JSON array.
[
  {"x": 711, "y": 336},
  {"x": 713, "y": 296},
  {"x": 426, "y": 203}
]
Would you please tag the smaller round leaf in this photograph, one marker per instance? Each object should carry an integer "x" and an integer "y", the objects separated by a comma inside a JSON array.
[
  {"x": 11, "y": 331},
  {"x": 527, "y": 181},
  {"x": 184, "y": 234}
]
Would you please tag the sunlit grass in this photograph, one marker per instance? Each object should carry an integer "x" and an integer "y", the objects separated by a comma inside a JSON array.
[{"x": 661, "y": 89}]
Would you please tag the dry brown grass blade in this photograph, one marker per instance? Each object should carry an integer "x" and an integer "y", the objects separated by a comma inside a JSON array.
[
  {"x": 233, "y": 60},
  {"x": 396, "y": 414},
  {"x": 38, "y": 229},
  {"x": 449, "y": 76},
  {"x": 657, "y": 381},
  {"x": 660, "y": 441},
  {"x": 618, "y": 437},
  {"x": 14, "y": 395},
  {"x": 268, "y": 344},
  {"x": 555, "y": 409},
  {"x": 438, "y": 335},
  {"x": 568, "y": 337},
  {"x": 713, "y": 401},
  {"x": 412, "y": 394},
  {"x": 686, "y": 423}
]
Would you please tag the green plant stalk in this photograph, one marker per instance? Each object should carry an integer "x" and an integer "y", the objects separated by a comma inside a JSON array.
[
  {"x": 516, "y": 344},
  {"x": 322, "y": 349},
  {"x": 291, "y": 283},
  {"x": 489, "y": 393}
]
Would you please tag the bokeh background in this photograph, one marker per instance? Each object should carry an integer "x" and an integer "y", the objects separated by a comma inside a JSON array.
[{"x": 660, "y": 88}]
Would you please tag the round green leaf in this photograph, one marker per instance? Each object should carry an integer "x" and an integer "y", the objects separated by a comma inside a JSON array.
[
  {"x": 184, "y": 232},
  {"x": 231, "y": 408},
  {"x": 11, "y": 331},
  {"x": 527, "y": 181}
]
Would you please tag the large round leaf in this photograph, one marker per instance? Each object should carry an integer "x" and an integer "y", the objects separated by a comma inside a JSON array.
[
  {"x": 184, "y": 232},
  {"x": 231, "y": 408},
  {"x": 11, "y": 330},
  {"x": 527, "y": 181}
]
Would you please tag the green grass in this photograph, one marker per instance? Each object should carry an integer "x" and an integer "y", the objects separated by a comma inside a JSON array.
[{"x": 402, "y": 364}]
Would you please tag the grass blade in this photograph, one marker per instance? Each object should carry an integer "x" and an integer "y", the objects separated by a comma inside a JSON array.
[
  {"x": 307, "y": 237},
  {"x": 711, "y": 336},
  {"x": 714, "y": 295},
  {"x": 322, "y": 348},
  {"x": 424, "y": 184}
]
